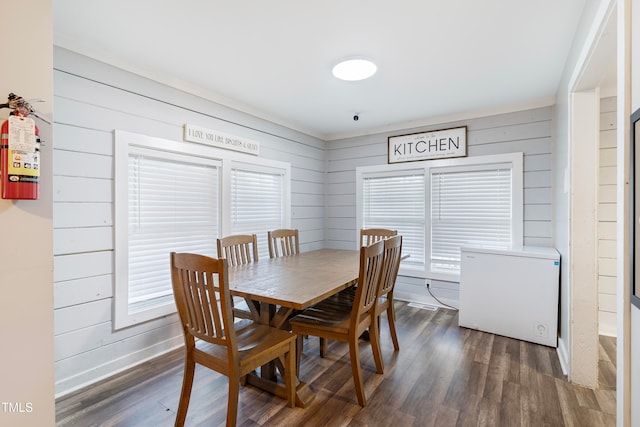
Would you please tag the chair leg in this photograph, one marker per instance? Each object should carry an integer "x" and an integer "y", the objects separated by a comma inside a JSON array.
[
  {"x": 356, "y": 371},
  {"x": 391, "y": 317},
  {"x": 374, "y": 338},
  {"x": 289, "y": 377},
  {"x": 299, "y": 349},
  {"x": 232, "y": 404},
  {"x": 185, "y": 394},
  {"x": 323, "y": 347}
]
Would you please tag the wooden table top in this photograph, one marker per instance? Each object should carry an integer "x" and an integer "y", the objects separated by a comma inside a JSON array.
[{"x": 297, "y": 281}]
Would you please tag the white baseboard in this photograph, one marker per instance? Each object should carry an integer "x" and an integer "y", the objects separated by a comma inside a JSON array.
[
  {"x": 414, "y": 289},
  {"x": 116, "y": 366},
  {"x": 563, "y": 356}
]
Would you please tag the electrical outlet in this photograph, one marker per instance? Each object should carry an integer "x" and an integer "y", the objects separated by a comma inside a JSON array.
[
  {"x": 540, "y": 330},
  {"x": 427, "y": 283}
]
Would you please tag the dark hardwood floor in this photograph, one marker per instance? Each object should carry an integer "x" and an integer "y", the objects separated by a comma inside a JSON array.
[{"x": 443, "y": 375}]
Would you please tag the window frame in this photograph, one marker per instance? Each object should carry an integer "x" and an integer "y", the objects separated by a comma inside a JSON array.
[
  {"x": 517, "y": 200},
  {"x": 124, "y": 142}
]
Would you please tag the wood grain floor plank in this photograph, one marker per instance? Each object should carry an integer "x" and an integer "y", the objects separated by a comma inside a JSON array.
[
  {"x": 445, "y": 416},
  {"x": 587, "y": 399},
  {"x": 607, "y": 401},
  {"x": 488, "y": 413},
  {"x": 498, "y": 371},
  {"x": 510, "y": 411}
]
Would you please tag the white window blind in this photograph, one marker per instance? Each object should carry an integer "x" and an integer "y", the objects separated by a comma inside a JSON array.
[
  {"x": 469, "y": 207},
  {"x": 257, "y": 202},
  {"x": 173, "y": 206},
  {"x": 397, "y": 201}
]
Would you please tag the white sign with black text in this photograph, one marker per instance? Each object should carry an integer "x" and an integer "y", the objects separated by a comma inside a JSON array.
[
  {"x": 221, "y": 140},
  {"x": 437, "y": 144}
]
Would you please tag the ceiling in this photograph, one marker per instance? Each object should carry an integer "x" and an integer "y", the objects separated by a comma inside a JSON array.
[{"x": 437, "y": 60}]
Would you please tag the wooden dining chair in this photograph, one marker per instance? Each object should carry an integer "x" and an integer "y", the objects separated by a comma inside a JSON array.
[
  {"x": 201, "y": 292},
  {"x": 388, "y": 276},
  {"x": 240, "y": 249},
  {"x": 346, "y": 323},
  {"x": 391, "y": 265},
  {"x": 367, "y": 237},
  {"x": 283, "y": 242},
  {"x": 372, "y": 235}
]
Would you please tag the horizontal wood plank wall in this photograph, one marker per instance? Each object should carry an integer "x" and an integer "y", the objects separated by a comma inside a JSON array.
[
  {"x": 91, "y": 101},
  {"x": 528, "y": 131},
  {"x": 607, "y": 220}
]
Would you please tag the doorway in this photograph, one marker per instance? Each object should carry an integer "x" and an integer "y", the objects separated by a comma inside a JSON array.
[{"x": 593, "y": 226}]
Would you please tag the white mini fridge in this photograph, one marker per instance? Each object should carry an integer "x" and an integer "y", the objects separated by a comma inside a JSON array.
[{"x": 511, "y": 292}]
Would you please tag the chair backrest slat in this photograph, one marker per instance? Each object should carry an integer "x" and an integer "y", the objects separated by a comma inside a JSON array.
[{"x": 372, "y": 235}]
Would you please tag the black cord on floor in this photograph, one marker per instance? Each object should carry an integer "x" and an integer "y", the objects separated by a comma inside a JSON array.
[{"x": 435, "y": 298}]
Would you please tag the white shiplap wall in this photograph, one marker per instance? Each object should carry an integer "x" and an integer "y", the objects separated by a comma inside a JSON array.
[
  {"x": 91, "y": 101},
  {"x": 529, "y": 132},
  {"x": 607, "y": 193}
]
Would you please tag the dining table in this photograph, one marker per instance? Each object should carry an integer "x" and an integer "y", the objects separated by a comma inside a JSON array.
[{"x": 276, "y": 288}]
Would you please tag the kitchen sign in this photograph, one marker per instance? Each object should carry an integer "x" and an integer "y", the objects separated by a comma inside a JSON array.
[
  {"x": 220, "y": 140},
  {"x": 436, "y": 144}
]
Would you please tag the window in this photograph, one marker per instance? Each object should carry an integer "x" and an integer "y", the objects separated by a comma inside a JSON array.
[
  {"x": 469, "y": 206},
  {"x": 257, "y": 201},
  {"x": 169, "y": 196},
  {"x": 397, "y": 201},
  {"x": 442, "y": 206},
  {"x": 172, "y": 207}
]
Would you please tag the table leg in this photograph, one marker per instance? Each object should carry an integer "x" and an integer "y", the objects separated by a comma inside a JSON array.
[
  {"x": 268, "y": 379},
  {"x": 304, "y": 395}
]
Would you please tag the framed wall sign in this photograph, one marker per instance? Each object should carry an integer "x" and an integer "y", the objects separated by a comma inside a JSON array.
[
  {"x": 635, "y": 208},
  {"x": 435, "y": 144},
  {"x": 221, "y": 140}
]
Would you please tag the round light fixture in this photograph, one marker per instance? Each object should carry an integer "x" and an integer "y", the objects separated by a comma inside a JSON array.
[{"x": 354, "y": 69}]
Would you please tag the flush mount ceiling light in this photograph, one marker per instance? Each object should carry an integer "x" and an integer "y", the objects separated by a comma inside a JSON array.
[{"x": 354, "y": 69}]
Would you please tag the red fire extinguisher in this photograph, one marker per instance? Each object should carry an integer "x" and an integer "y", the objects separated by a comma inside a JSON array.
[{"x": 19, "y": 152}]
